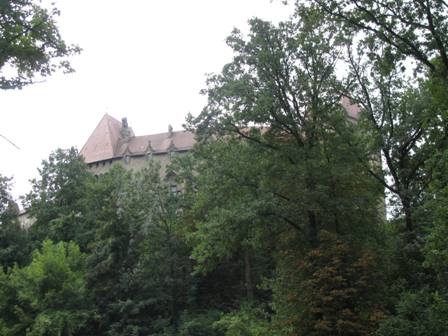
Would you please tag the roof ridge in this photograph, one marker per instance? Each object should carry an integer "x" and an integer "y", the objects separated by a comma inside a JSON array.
[
  {"x": 93, "y": 132},
  {"x": 106, "y": 124},
  {"x": 140, "y": 136}
]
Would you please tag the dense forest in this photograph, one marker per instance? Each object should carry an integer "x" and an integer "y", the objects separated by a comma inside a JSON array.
[{"x": 294, "y": 218}]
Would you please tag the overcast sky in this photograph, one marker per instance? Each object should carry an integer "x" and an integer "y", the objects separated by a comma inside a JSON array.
[{"x": 144, "y": 60}]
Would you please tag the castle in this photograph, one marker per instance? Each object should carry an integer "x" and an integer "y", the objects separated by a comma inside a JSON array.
[{"x": 114, "y": 142}]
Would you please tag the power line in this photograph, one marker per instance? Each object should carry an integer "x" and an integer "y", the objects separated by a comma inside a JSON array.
[{"x": 12, "y": 143}]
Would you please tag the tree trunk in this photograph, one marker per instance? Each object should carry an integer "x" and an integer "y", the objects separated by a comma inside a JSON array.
[
  {"x": 312, "y": 231},
  {"x": 248, "y": 276},
  {"x": 407, "y": 213}
]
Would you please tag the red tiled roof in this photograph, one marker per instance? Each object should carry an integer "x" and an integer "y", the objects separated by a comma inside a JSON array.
[{"x": 107, "y": 142}]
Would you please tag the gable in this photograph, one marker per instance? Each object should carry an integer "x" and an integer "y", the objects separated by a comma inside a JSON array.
[{"x": 103, "y": 141}]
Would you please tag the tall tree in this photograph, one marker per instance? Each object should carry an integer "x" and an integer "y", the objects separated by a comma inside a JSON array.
[
  {"x": 285, "y": 155},
  {"x": 281, "y": 94},
  {"x": 59, "y": 200},
  {"x": 413, "y": 28},
  {"x": 333, "y": 289},
  {"x": 109, "y": 249},
  {"x": 30, "y": 43},
  {"x": 14, "y": 245},
  {"x": 139, "y": 269},
  {"x": 402, "y": 123},
  {"x": 47, "y": 297},
  {"x": 234, "y": 220},
  {"x": 398, "y": 65}
]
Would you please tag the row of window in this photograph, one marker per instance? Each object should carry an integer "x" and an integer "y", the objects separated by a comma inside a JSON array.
[
  {"x": 100, "y": 163},
  {"x": 126, "y": 160}
]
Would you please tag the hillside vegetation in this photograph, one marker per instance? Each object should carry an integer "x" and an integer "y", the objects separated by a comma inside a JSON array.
[{"x": 298, "y": 215}]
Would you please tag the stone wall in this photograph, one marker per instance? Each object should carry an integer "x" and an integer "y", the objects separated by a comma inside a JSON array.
[{"x": 135, "y": 162}]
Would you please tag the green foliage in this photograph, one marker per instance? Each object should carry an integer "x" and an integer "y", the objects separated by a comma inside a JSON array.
[
  {"x": 334, "y": 289},
  {"x": 106, "y": 261},
  {"x": 418, "y": 313},
  {"x": 139, "y": 270},
  {"x": 406, "y": 130},
  {"x": 14, "y": 320},
  {"x": 285, "y": 161},
  {"x": 30, "y": 43},
  {"x": 436, "y": 249},
  {"x": 49, "y": 296},
  {"x": 6, "y": 209},
  {"x": 398, "y": 68},
  {"x": 247, "y": 321},
  {"x": 200, "y": 324},
  {"x": 287, "y": 107},
  {"x": 60, "y": 199},
  {"x": 229, "y": 202},
  {"x": 279, "y": 226},
  {"x": 14, "y": 243},
  {"x": 408, "y": 28}
]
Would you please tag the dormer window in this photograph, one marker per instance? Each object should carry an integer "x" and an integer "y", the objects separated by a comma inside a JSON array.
[{"x": 173, "y": 189}]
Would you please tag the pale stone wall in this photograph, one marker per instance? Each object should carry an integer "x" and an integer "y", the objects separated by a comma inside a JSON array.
[
  {"x": 25, "y": 220},
  {"x": 135, "y": 162},
  {"x": 131, "y": 163}
]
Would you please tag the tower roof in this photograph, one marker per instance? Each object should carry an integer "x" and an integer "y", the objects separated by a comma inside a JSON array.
[{"x": 103, "y": 141}]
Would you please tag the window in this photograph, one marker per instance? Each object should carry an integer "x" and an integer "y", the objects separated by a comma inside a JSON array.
[{"x": 173, "y": 189}]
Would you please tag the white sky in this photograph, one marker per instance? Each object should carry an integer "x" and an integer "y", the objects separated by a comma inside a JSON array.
[{"x": 144, "y": 60}]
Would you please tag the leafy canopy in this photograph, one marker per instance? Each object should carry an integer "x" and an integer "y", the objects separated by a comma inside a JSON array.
[{"x": 31, "y": 46}]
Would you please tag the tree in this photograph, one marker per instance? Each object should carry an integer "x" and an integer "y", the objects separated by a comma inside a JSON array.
[
  {"x": 162, "y": 284},
  {"x": 50, "y": 294},
  {"x": 279, "y": 159},
  {"x": 248, "y": 321},
  {"x": 233, "y": 221},
  {"x": 403, "y": 124},
  {"x": 420, "y": 313},
  {"x": 59, "y": 200},
  {"x": 335, "y": 289},
  {"x": 281, "y": 94},
  {"x": 435, "y": 249},
  {"x": 109, "y": 249},
  {"x": 399, "y": 70},
  {"x": 14, "y": 244},
  {"x": 413, "y": 28},
  {"x": 30, "y": 43},
  {"x": 398, "y": 65},
  {"x": 139, "y": 268}
]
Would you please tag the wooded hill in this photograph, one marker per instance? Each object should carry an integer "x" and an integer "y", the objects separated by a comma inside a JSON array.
[{"x": 280, "y": 232}]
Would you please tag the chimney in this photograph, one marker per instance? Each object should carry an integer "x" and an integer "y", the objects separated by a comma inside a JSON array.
[
  {"x": 125, "y": 132},
  {"x": 170, "y": 131}
]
